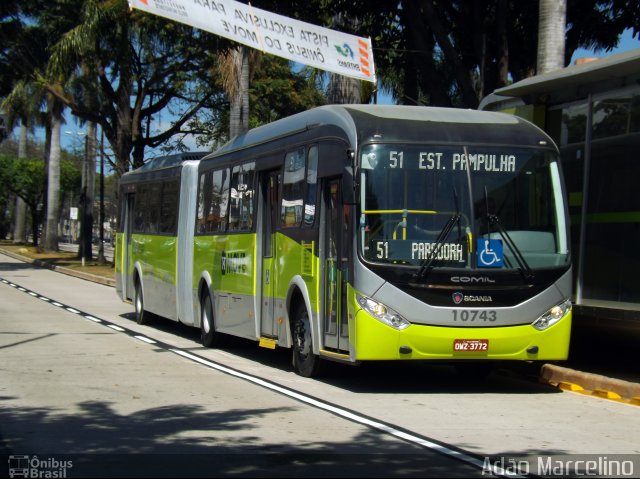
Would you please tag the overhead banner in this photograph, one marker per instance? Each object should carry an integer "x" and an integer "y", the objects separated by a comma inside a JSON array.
[{"x": 278, "y": 35}]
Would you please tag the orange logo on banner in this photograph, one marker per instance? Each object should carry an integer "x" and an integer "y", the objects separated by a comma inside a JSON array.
[{"x": 364, "y": 57}]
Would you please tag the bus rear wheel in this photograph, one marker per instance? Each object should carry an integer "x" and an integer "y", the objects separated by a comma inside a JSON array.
[
  {"x": 142, "y": 316},
  {"x": 305, "y": 362},
  {"x": 208, "y": 335}
]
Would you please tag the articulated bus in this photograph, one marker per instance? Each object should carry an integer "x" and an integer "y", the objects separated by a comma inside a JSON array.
[{"x": 360, "y": 232}]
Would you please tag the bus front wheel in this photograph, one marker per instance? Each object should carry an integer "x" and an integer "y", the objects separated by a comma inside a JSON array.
[
  {"x": 208, "y": 334},
  {"x": 305, "y": 362},
  {"x": 142, "y": 316}
]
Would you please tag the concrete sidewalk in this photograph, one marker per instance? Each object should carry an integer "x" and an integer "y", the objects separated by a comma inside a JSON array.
[{"x": 60, "y": 269}]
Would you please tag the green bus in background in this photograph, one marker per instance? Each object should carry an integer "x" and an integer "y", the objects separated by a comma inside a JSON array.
[{"x": 359, "y": 232}]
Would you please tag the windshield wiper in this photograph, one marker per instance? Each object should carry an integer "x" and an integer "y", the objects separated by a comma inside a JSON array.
[
  {"x": 427, "y": 263},
  {"x": 493, "y": 219},
  {"x": 524, "y": 267}
]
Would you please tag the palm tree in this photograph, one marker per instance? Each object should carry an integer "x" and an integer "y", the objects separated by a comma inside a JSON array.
[
  {"x": 551, "y": 35},
  {"x": 343, "y": 89},
  {"x": 235, "y": 68},
  {"x": 22, "y": 106},
  {"x": 55, "y": 110},
  {"x": 88, "y": 190},
  {"x": 19, "y": 232},
  {"x": 137, "y": 66}
]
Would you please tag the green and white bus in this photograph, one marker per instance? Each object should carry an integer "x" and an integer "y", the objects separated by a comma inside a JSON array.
[
  {"x": 154, "y": 203},
  {"x": 360, "y": 232}
]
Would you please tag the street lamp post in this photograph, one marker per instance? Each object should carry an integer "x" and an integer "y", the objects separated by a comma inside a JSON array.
[
  {"x": 76, "y": 136},
  {"x": 86, "y": 196}
]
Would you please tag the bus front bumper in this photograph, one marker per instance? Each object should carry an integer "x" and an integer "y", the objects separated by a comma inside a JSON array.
[{"x": 377, "y": 341}]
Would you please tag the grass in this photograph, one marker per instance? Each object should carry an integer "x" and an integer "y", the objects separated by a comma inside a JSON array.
[{"x": 59, "y": 258}]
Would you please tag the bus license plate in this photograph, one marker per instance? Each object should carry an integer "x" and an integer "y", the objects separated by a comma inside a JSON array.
[{"x": 471, "y": 345}]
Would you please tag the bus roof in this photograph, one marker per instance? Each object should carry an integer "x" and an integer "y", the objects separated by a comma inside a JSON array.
[
  {"x": 171, "y": 160},
  {"x": 359, "y": 123},
  {"x": 152, "y": 168}
]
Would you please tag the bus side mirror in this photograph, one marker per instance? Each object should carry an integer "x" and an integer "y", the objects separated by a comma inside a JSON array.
[{"x": 348, "y": 186}]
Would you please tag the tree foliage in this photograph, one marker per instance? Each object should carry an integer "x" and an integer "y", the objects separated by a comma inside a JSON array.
[
  {"x": 131, "y": 72},
  {"x": 453, "y": 53},
  {"x": 128, "y": 68},
  {"x": 276, "y": 91},
  {"x": 24, "y": 177}
]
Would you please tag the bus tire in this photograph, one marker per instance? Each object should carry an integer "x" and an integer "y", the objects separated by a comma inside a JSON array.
[
  {"x": 305, "y": 362},
  {"x": 142, "y": 317},
  {"x": 208, "y": 335}
]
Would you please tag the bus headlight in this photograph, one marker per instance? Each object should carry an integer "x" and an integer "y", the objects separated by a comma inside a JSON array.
[
  {"x": 552, "y": 316},
  {"x": 382, "y": 313}
]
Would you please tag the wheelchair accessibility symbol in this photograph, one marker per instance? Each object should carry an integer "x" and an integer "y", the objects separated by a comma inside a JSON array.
[{"x": 490, "y": 254}]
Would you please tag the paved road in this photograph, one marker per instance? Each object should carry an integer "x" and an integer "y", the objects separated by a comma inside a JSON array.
[{"x": 118, "y": 399}]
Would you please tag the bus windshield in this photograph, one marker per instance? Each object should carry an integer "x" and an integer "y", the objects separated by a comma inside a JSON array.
[{"x": 462, "y": 207}]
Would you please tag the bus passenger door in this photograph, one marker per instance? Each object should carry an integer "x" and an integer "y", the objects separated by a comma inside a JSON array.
[
  {"x": 335, "y": 267},
  {"x": 127, "y": 279},
  {"x": 271, "y": 182}
]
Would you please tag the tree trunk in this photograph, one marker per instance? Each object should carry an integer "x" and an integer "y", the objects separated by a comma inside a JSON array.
[
  {"x": 244, "y": 89},
  {"x": 239, "y": 98},
  {"x": 88, "y": 189},
  {"x": 123, "y": 122},
  {"x": 551, "y": 35},
  {"x": 42, "y": 217},
  {"x": 20, "y": 213},
  {"x": 503, "y": 44},
  {"x": 343, "y": 90},
  {"x": 35, "y": 223},
  {"x": 123, "y": 136},
  {"x": 53, "y": 190},
  {"x": 101, "y": 257},
  {"x": 234, "y": 115}
]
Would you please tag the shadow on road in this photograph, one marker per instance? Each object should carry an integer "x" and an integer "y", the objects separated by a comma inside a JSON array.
[
  {"x": 381, "y": 377},
  {"x": 187, "y": 441}
]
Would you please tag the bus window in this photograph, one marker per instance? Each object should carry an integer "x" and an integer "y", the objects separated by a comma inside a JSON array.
[
  {"x": 242, "y": 198},
  {"x": 204, "y": 201},
  {"x": 169, "y": 207},
  {"x": 140, "y": 213},
  {"x": 293, "y": 189},
  {"x": 213, "y": 199},
  {"x": 312, "y": 186},
  {"x": 153, "y": 212}
]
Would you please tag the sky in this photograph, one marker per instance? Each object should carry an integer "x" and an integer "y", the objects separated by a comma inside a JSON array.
[
  {"x": 627, "y": 42},
  {"x": 72, "y": 133}
]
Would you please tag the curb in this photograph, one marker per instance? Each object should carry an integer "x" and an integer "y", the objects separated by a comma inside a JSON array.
[
  {"x": 590, "y": 384},
  {"x": 61, "y": 269}
]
